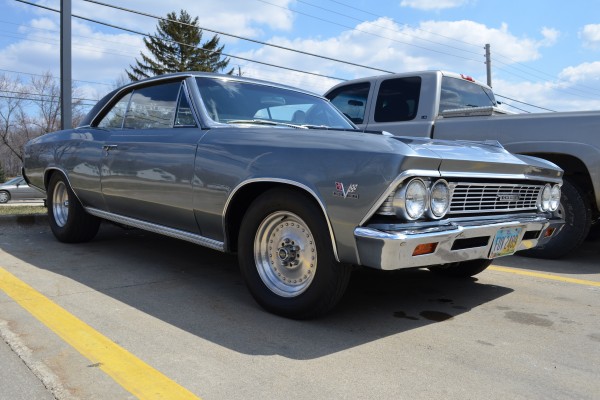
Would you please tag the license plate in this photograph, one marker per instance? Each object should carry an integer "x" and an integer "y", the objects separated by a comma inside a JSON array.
[{"x": 505, "y": 242}]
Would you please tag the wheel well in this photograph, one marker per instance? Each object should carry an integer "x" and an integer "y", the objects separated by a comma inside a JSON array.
[
  {"x": 48, "y": 176},
  {"x": 242, "y": 200},
  {"x": 575, "y": 170}
]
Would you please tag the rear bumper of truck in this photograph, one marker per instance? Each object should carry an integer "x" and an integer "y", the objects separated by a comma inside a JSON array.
[{"x": 394, "y": 246}]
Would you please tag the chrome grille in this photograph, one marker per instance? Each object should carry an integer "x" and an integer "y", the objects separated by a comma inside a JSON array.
[{"x": 493, "y": 197}]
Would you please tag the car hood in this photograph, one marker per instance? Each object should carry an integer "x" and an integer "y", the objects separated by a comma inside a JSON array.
[{"x": 489, "y": 157}]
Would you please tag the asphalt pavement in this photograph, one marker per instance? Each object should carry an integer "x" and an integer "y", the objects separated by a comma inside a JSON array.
[{"x": 523, "y": 329}]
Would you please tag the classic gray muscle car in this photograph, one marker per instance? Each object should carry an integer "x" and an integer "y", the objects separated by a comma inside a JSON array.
[{"x": 281, "y": 177}]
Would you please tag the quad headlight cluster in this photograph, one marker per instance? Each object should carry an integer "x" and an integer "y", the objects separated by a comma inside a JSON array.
[
  {"x": 418, "y": 198},
  {"x": 550, "y": 198}
]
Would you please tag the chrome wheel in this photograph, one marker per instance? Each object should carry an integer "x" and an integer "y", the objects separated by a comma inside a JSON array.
[
  {"x": 285, "y": 254},
  {"x": 60, "y": 204}
]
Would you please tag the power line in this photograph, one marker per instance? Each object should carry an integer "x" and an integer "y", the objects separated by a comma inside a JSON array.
[
  {"x": 235, "y": 36},
  {"x": 383, "y": 27},
  {"x": 180, "y": 43},
  {"x": 362, "y": 31},
  {"x": 522, "y": 102}
]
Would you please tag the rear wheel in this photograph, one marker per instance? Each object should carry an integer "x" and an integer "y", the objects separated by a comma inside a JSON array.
[
  {"x": 69, "y": 222},
  {"x": 4, "y": 196},
  {"x": 286, "y": 256},
  {"x": 575, "y": 209},
  {"x": 464, "y": 269}
]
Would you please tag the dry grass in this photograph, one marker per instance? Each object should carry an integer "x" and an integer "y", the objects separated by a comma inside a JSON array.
[{"x": 22, "y": 210}]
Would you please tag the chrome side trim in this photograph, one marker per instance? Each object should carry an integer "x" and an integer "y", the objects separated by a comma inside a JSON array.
[
  {"x": 287, "y": 182},
  {"x": 163, "y": 230}
]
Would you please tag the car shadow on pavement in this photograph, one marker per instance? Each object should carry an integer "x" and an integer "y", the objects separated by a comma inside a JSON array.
[{"x": 201, "y": 291}]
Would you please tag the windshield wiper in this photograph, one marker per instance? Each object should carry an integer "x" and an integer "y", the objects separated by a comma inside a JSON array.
[{"x": 265, "y": 122}]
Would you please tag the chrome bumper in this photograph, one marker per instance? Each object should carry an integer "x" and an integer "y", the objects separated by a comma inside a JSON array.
[{"x": 391, "y": 247}]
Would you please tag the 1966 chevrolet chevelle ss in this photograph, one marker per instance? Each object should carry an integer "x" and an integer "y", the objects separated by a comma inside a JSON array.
[{"x": 281, "y": 177}]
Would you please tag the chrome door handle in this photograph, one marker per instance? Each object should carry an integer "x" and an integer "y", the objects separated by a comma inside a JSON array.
[{"x": 109, "y": 147}]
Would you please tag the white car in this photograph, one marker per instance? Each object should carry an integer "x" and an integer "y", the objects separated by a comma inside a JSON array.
[{"x": 18, "y": 189}]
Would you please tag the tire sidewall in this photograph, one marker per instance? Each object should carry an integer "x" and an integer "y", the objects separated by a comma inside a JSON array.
[{"x": 577, "y": 215}]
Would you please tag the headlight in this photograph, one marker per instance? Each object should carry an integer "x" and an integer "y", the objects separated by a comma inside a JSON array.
[
  {"x": 554, "y": 198},
  {"x": 546, "y": 196},
  {"x": 412, "y": 199},
  {"x": 439, "y": 199}
]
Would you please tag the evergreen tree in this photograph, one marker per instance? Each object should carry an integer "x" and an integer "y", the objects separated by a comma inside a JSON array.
[
  {"x": 2, "y": 177},
  {"x": 176, "y": 47}
]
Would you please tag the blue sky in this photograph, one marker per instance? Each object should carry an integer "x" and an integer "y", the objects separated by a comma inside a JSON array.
[{"x": 545, "y": 53}]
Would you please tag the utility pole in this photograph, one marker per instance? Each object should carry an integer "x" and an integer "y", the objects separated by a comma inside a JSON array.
[
  {"x": 66, "y": 112},
  {"x": 488, "y": 64}
]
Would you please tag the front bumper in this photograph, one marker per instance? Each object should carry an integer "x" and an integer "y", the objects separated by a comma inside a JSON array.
[{"x": 391, "y": 246}]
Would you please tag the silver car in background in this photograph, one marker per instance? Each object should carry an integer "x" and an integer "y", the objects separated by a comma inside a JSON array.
[
  {"x": 18, "y": 189},
  {"x": 282, "y": 178}
]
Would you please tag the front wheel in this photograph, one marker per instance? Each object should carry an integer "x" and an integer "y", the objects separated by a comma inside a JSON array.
[
  {"x": 286, "y": 256},
  {"x": 69, "y": 222},
  {"x": 463, "y": 269},
  {"x": 4, "y": 196}
]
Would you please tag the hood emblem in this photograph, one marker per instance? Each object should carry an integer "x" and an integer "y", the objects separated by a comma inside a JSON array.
[{"x": 350, "y": 193}]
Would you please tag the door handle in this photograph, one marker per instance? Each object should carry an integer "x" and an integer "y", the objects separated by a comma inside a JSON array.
[{"x": 109, "y": 147}]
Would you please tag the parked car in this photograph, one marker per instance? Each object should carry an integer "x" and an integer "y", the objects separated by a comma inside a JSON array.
[
  {"x": 18, "y": 189},
  {"x": 450, "y": 106},
  {"x": 284, "y": 179}
]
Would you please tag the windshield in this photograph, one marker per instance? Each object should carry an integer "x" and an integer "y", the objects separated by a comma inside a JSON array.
[
  {"x": 230, "y": 101},
  {"x": 459, "y": 93}
]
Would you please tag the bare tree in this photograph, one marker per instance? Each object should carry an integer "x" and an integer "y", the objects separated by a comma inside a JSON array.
[
  {"x": 11, "y": 112},
  {"x": 28, "y": 110}
]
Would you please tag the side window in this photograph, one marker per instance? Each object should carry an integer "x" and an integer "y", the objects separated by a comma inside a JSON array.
[
  {"x": 184, "y": 116},
  {"x": 153, "y": 107},
  {"x": 351, "y": 100},
  {"x": 114, "y": 118},
  {"x": 398, "y": 99}
]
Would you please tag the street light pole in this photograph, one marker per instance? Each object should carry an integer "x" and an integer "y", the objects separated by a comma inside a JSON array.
[{"x": 66, "y": 113}]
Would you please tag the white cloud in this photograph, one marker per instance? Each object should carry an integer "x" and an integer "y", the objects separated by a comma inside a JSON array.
[
  {"x": 572, "y": 91},
  {"x": 450, "y": 45},
  {"x": 590, "y": 34},
  {"x": 433, "y": 4}
]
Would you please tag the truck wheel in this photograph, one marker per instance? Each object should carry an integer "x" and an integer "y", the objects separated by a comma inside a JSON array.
[
  {"x": 575, "y": 209},
  {"x": 463, "y": 269},
  {"x": 69, "y": 222},
  {"x": 286, "y": 256},
  {"x": 4, "y": 196}
]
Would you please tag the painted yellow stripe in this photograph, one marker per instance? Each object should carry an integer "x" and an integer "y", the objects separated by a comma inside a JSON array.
[
  {"x": 129, "y": 371},
  {"x": 545, "y": 276}
]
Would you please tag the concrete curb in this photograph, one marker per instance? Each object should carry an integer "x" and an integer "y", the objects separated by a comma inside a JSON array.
[{"x": 33, "y": 219}]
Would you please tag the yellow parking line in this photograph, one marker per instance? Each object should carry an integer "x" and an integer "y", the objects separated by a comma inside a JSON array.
[
  {"x": 126, "y": 369},
  {"x": 545, "y": 276}
]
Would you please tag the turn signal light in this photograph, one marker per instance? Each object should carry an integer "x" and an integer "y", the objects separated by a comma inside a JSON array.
[
  {"x": 548, "y": 232},
  {"x": 425, "y": 248}
]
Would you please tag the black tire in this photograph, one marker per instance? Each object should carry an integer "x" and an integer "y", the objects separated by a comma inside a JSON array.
[
  {"x": 464, "y": 269},
  {"x": 312, "y": 282},
  {"x": 68, "y": 220},
  {"x": 575, "y": 208},
  {"x": 4, "y": 196}
]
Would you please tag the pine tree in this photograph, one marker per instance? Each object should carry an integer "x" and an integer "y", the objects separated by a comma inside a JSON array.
[{"x": 176, "y": 47}]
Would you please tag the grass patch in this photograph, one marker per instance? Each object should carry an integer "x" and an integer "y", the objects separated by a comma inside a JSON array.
[{"x": 23, "y": 210}]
